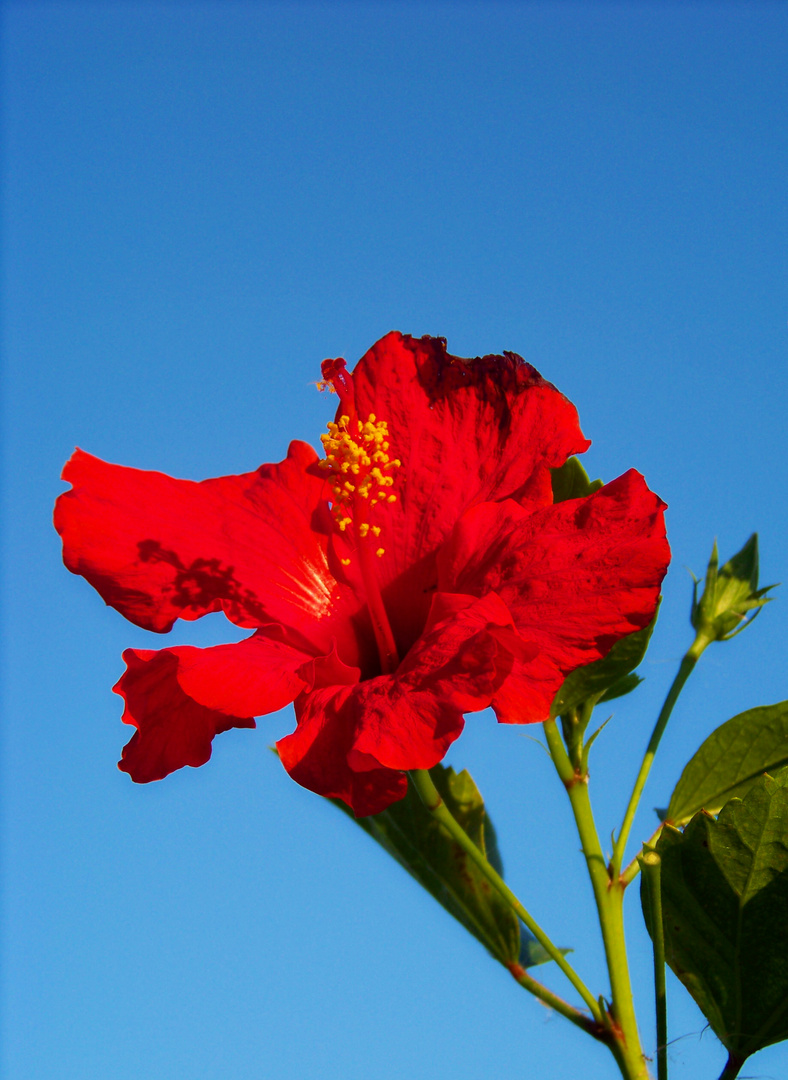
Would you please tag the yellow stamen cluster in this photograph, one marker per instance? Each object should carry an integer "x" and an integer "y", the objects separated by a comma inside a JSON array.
[{"x": 360, "y": 468}]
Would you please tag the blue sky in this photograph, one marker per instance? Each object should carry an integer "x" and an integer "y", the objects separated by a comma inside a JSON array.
[{"x": 201, "y": 202}]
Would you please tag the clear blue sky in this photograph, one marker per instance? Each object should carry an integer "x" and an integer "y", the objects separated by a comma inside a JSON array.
[{"x": 201, "y": 202}]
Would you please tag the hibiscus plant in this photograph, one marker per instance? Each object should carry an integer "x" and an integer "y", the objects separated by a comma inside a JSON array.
[{"x": 447, "y": 554}]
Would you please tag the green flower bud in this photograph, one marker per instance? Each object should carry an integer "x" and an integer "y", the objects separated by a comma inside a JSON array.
[{"x": 731, "y": 598}]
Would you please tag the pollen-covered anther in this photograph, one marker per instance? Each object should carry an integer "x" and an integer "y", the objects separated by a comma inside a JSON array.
[
  {"x": 357, "y": 458},
  {"x": 359, "y": 467}
]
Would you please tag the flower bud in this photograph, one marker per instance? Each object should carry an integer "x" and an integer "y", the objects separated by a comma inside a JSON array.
[{"x": 729, "y": 595}]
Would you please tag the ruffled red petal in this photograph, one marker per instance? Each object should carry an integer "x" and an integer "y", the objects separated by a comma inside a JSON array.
[
  {"x": 466, "y": 431},
  {"x": 409, "y": 720},
  {"x": 577, "y": 577},
  {"x": 246, "y": 678},
  {"x": 179, "y": 698},
  {"x": 316, "y": 755},
  {"x": 255, "y": 546},
  {"x": 172, "y": 729},
  {"x": 349, "y": 739}
]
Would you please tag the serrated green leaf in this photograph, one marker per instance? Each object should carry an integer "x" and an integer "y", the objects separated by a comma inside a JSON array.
[
  {"x": 571, "y": 481},
  {"x": 415, "y": 839},
  {"x": 592, "y": 681},
  {"x": 724, "y": 904},
  {"x": 730, "y": 761}
]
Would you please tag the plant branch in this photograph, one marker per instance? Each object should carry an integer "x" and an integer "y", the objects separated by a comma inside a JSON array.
[
  {"x": 553, "y": 1001},
  {"x": 609, "y": 897},
  {"x": 732, "y": 1067},
  {"x": 430, "y": 796},
  {"x": 685, "y": 670},
  {"x": 652, "y": 875},
  {"x": 630, "y": 872}
]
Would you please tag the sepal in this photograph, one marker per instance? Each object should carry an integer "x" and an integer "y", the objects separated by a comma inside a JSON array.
[
  {"x": 731, "y": 598},
  {"x": 571, "y": 481}
]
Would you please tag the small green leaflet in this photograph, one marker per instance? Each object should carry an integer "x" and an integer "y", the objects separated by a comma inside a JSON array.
[
  {"x": 730, "y": 761},
  {"x": 571, "y": 481},
  {"x": 624, "y": 685},
  {"x": 413, "y": 837},
  {"x": 724, "y": 904}
]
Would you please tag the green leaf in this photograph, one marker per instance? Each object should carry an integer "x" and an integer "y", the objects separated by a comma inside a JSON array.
[
  {"x": 571, "y": 481},
  {"x": 533, "y": 952},
  {"x": 730, "y": 761},
  {"x": 724, "y": 905},
  {"x": 623, "y": 686},
  {"x": 415, "y": 839},
  {"x": 595, "y": 680}
]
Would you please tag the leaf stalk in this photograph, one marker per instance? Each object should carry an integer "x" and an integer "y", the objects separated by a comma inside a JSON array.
[
  {"x": 732, "y": 1067},
  {"x": 580, "y": 1019},
  {"x": 430, "y": 796}
]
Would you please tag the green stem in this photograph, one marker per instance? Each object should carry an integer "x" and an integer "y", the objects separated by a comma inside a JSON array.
[
  {"x": 553, "y": 1001},
  {"x": 422, "y": 781},
  {"x": 609, "y": 897},
  {"x": 685, "y": 670},
  {"x": 652, "y": 874},
  {"x": 629, "y": 873},
  {"x": 732, "y": 1067}
]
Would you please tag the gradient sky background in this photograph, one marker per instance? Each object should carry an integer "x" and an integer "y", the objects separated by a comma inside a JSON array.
[{"x": 201, "y": 202}]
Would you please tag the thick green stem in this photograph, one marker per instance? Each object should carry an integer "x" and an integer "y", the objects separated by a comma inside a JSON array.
[
  {"x": 732, "y": 1067},
  {"x": 609, "y": 897},
  {"x": 422, "y": 781},
  {"x": 652, "y": 873},
  {"x": 685, "y": 670}
]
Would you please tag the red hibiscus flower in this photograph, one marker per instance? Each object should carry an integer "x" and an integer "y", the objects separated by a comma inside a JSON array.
[{"x": 418, "y": 572}]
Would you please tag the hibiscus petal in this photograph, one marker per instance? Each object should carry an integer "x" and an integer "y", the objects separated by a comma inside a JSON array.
[
  {"x": 409, "y": 720},
  {"x": 245, "y": 678},
  {"x": 316, "y": 755},
  {"x": 255, "y": 545},
  {"x": 179, "y": 698},
  {"x": 173, "y": 730},
  {"x": 352, "y": 741},
  {"x": 577, "y": 577},
  {"x": 465, "y": 431},
  {"x": 466, "y": 651},
  {"x": 528, "y": 692}
]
